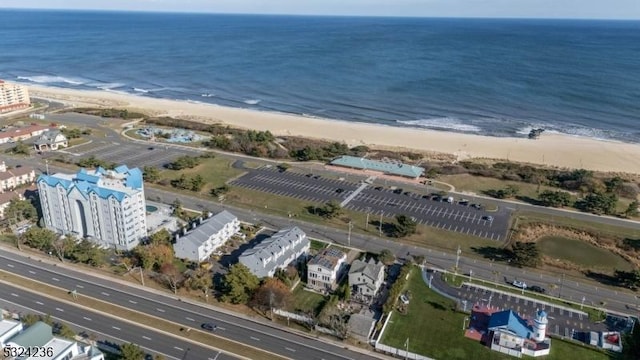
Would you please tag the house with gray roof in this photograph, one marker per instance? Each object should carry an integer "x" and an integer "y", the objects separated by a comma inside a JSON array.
[
  {"x": 365, "y": 278},
  {"x": 276, "y": 252},
  {"x": 205, "y": 235},
  {"x": 50, "y": 140},
  {"x": 40, "y": 335},
  {"x": 325, "y": 269}
]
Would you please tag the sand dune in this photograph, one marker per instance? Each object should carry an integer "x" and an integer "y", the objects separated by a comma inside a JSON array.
[{"x": 550, "y": 149}]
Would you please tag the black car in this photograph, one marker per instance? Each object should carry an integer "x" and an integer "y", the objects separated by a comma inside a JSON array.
[
  {"x": 309, "y": 175},
  {"x": 379, "y": 188},
  {"x": 317, "y": 177},
  {"x": 397, "y": 191},
  {"x": 150, "y": 148},
  {"x": 209, "y": 327},
  {"x": 538, "y": 289},
  {"x": 339, "y": 191},
  {"x": 407, "y": 193}
]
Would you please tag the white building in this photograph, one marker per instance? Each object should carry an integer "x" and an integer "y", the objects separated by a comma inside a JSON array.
[
  {"x": 18, "y": 176},
  {"x": 15, "y": 134},
  {"x": 40, "y": 335},
  {"x": 13, "y": 97},
  {"x": 105, "y": 206},
  {"x": 511, "y": 334},
  {"x": 51, "y": 140},
  {"x": 365, "y": 278},
  {"x": 205, "y": 236},
  {"x": 324, "y": 269},
  {"x": 276, "y": 252}
]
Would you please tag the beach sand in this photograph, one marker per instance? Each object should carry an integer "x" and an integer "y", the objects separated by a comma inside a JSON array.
[{"x": 550, "y": 149}]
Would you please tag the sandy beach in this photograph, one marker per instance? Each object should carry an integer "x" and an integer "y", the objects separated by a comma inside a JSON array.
[{"x": 549, "y": 149}]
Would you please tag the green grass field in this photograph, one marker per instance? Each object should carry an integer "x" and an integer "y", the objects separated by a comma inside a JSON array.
[
  {"x": 215, "y": 171},
  {"x": 479, "y": 184},
  {"x": 306, "y": 301},
  {"x": 435, "y": 330},
  {"x": 581, "y": 253},
  {"x": 526, "y": 217}
]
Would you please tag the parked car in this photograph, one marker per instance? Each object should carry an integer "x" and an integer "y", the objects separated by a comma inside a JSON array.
[
  {"x": 209, "y": 326},
  {"x": 309, "y": 175},
  {"x": 379, "y": 188},
  {"x": 519, "y": 284},
  {"x": 463, "y": 202},
  {"x": 487, "y": 217},
  {"x": 340, "y": 190},
  {"x": 476, "y": 206},
  {"x": 538, "y": 289},
  {"x": 397, "y": 191},
  {"x": 404, "y": 299}
]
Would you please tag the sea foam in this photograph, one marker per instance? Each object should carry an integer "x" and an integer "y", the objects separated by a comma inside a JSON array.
[{"x": 446, "y": 123}]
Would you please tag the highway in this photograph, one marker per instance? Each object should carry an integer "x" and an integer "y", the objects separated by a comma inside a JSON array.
[
  {"x": 106, "y": 328},
  {"x": 183, "y": 313}
]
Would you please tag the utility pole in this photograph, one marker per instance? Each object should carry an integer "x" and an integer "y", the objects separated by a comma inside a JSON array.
[
  {"x": 582, "y": 303},
  {"x": 349, "y": 236},
  {"x": 141, "y": 275},
  {"x": 366, "y": 225},
  {"x": 406, "y": 349},
  {"x": 458, "y": 252},
  {"x": 46, "y": 164},
  {"x": 561, "y": 285},
  {"x": 380, "y": 224}
]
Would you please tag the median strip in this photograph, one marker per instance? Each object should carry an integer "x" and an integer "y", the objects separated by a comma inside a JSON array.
[{"x": 217, "y": 343}]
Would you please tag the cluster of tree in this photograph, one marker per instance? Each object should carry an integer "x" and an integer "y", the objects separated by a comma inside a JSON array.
[
  {"x": 405, "y": 226},
  {"x": 271, "y": 293},
  {"x": 288, "y": 276},
  {"x": 184, "y": 162},
  {"x": 386, "y": 257},
  {"x": 20, "y": 149},
  {"x": 93, "y": 162},
  {"x": 111, "y": 113},
  {"x": 19, "y": 210},
  {"x": 250, "y": 142},
  {"x": 330, "y": 210},
  {"x": 150, "y": 174},
  {"x": 75, "y": 133},
  {"x": 396, "y": 288},
  {"x": 64, "y": 247},
  {"x": 239, "y": 284},
  {"x": 525, "y": 254},
  {"x": 220, "y": 190},
  {"x": 323, "y": 153},
  {"x": 555, "y": 198},
  {"x": 59, "y": 328},
  {"x": 628, "y": 279},
  {"x": 598, "y": 203},
  {"x": 508, "y": 192},
  {"x": 188, "y": 183}
]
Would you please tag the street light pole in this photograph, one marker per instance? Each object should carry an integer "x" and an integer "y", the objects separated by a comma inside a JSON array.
[
  {"x": 349, "y": 236},
  {"x": 582, "y": 303},
  {"x": 406, "y": 350},
  {"x": 470, "y": 274},
  {"x": 457, "y": 258},
  {"x": 561, "y": 285},
  {"x": 380, "y": 224},
  {"x": 366, "y": 224}
]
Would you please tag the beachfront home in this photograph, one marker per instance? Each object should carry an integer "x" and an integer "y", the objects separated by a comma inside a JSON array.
[
  {"x": 365, "y": 279},
  {"x": 18, "y": 176},
  {"x": 12, "y": 135},
  {"x": 50, "y": 140},
  {"x": 205, "y": 235},
  {"x": 13, "y": 97},
  {"x": 276, "y": 252},
  {"x": 324, "y": 269}
]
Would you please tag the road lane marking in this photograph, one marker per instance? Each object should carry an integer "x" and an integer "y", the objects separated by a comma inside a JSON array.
[
  {"x": 55, "y": 279},
  {"x": 86, "y": 318},
  {"x": 146, "y": 337},
  {"x": 290, "y": 349},
  {"x": 80, "y": 286},
  {"x": 133, "y": 302},
  {"x": 116, "y": 328},
  {"x": 32, "y": 272},
  {"x": 190, "y": 319},
  {"x": 14, "y": 294},
  {"x": 178, "y": 348},
  {"x": 159, "y": 309},
  {"x": 221, "y": 328},
  {"x": 254, "y": 338},
  {"x": 61, "y": 310},
  {"x": 104, "y": 293},
  {"x": 39, "y": 303},
  {"x": 11, "y": 265}
]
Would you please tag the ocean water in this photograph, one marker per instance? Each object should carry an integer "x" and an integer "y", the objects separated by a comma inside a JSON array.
[{"x": 484, "y": 76}]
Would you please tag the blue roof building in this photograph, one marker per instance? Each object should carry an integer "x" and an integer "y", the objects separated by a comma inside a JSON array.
[
  {"x": 391, "y": 167},
  {"x": 106, "y": 206},
  {"x": 509, "y": 321}
]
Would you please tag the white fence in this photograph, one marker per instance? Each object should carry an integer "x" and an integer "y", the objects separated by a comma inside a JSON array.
[
  {"x": 294, "y": 316},
  {"x": 400, "y": 353}
]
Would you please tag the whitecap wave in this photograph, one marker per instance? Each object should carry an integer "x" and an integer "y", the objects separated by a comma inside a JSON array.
[
  {"x": 252, "y": 101},
  {"x": 107, "y": 86},
  {"x": 207, "y": 95},
  {"x": 446, "y": 123},
  {"x": 140, "y": 90},
  {"x": 52, "y": 79}
]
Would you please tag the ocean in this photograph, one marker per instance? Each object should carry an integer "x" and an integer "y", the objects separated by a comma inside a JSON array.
[{"x": 485, "y": 76}]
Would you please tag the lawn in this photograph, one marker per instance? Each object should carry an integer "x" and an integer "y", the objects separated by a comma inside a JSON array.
[
  {"x": 431, "y": 315},
  {"x": 306, "y": 301},
  {"x": 526, "y": 217},
  {"x": 479, "y": 184},
  {"x": 215, "y": 171},
  {"x": 581, "y": 253}
]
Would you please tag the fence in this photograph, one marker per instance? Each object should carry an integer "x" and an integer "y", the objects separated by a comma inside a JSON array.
[
  {"x": 294, "y": 316},
  {"x": 395, "y": 351}
]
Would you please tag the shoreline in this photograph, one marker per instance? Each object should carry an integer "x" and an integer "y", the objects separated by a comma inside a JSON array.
[{"x": 558, "y": 150}]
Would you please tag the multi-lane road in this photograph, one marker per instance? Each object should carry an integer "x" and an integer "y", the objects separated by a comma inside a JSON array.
[
  {"x": 105, "y": 327},
  {"x": 183, "y": 313}
]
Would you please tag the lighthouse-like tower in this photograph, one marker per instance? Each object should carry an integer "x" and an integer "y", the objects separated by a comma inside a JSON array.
[{"x": 540, "y": 326}]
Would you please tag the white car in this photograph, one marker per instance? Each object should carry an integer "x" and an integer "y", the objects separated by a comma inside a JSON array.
[
  {"x": 404, "y": 299},
  {"x": 519, "y": 284}
]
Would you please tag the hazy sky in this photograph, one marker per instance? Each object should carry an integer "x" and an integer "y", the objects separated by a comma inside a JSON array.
[{"x": 601, "y": 9}]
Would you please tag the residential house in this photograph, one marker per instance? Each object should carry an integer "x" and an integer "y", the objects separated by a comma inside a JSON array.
[
  {"x": 361, "y": 325},
  {"x": 14, "y": 335},
  {"x": 365, "y": 278},
  {"x": 104, "y": 206},
  {"x": 276, "y": 252},
  {"x": 205, "y": 236},
  {"x": 325, "y": 269},
  {"x": 11, "y": 179},
  {"x": 511, "y": 334},
  {"x": 12, "y": 135},
  {"x": 51, "y": 140},
  {"x": 5, "y": 200}
]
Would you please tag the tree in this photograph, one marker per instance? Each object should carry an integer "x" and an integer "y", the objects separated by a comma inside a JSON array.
[
  {"x": 150, "y": 174},
  {"x": 20, "y": 148},
  {"x": 406, "y": 226},
  {"x": 632, "y": 209},
  {"x": 555, "y": 198},
  {"x": 88, "y": 253},
  {"x": 41, "y": 239},
  {"x": 64, "y": 330},
  {"x": 239, "y": 284},
  {"x": 220, "y": 190},
  {"x": 171, "y": 275},
  {"x": 283, "y": 167},
  {"x": 63, "y": 245},
  {"x": 331, "y": 210},
  {"x": 613, "y": 184},
  {"x": 387, "y": 257},
  {"x": 154, "y": 255},
  {"x": 271, "y": 293},
  {"x": 184, "y": 162},
  {"x": 599, "y": 203},
  {"x": 525, "y": 254},
  {"x": 19, "y": 210},
  {"x": 628, "y": 279},
  {"x": 131, "y": 351},
  {"x": 200, "y": 280},
  {"x": 197, "y": 182},
  {"x": 161, "y": 237}
]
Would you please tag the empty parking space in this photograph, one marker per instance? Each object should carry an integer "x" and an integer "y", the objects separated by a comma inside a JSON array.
[{"x": 380, "y": 202}]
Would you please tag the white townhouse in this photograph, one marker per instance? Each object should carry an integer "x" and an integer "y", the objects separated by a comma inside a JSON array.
[
  {"x": 205, "y": 236},
  {"x": 40, "y": 336},
  {"x": 105, "y": 206},
  {"x": 324, "y": 269},
  {"x": 277, "y": 252},
  {"x": 365, "y": 278},
  {"x": 11, "y": 179}
]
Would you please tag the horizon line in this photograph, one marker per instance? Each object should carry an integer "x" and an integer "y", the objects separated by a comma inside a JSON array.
[{"x": 321, "y": 15}]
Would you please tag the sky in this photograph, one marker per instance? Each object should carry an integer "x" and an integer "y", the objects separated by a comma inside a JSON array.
[{"x": 589, "y": 9}]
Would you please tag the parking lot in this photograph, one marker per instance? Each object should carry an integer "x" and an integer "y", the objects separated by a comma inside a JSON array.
[
  {"x": 380, "y": 201},
  {"x": 562, "y": 321},
  {"x": 131, "y": 154}
]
